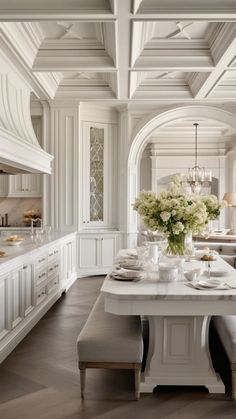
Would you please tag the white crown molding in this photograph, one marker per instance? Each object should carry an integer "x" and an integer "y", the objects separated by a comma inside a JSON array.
[
  {"x": 175, "y": 59},
  {"x": 109, "y": 33},
  {"x": 88, "y": 93},
  {"x": 67, "y": 60},
  {"x": 136, "y": 5},
  {"x": 142, "y": 33}
]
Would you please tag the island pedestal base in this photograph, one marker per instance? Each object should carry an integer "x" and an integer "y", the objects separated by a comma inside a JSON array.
[{"x": 179, "y": 354}]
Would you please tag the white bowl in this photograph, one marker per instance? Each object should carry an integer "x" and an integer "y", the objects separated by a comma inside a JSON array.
[
  {"x": 193, "y": 274},
  {"x": 14, "y": 242},
  {"x": 168, "y": 272}
]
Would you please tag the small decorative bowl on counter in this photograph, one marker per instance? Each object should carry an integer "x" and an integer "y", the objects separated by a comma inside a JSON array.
[{"x": 14, "y": 240}]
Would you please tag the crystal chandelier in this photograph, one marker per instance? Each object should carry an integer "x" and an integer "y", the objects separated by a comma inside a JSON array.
[{"x": 198, "y": 178}]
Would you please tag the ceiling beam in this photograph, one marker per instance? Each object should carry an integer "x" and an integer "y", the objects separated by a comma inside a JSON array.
[{"x": 123, "y": 55}]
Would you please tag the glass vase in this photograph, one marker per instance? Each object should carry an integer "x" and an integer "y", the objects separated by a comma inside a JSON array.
[{"x": 180, "y": 245}]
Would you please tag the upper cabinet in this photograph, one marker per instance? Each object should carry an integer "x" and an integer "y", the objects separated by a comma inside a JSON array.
[
  {"x": 24, "y": 185},
  {"x": 98, "y": 180}
]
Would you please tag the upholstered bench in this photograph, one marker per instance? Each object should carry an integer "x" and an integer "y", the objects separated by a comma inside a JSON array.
[
  {"x": 110, "y": 341},
  {"x": 225, "y": 327}
]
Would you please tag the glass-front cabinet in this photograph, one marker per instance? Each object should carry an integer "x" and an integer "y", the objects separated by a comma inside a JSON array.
[{"x": 98, "y": 163}]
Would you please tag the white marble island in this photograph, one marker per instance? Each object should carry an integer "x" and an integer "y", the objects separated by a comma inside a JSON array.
[
  {"x": 33, "y": 276},
  {"x": 179, "y": 319}
]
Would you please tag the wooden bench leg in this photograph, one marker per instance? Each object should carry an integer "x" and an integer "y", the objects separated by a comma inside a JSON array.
[
  {"x": 82, "y": 368},
  {"x": 137, "y": 374},
  {"x": 233, "y": 372}
]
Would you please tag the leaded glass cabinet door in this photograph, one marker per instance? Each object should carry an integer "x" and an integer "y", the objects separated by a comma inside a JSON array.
[{"x": 95, "y": 163}]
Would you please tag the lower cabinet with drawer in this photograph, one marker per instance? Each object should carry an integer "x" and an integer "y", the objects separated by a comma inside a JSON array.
[{"x": 30, "y": 285}]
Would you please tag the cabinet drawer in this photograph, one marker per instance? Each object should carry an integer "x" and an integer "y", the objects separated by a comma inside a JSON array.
[
  {"x": 53, "y": 284},
  {"x": 41, "y": 276},
  {"x": 53, "y": 269},
  {"x": 41, "y": 261},
  {"x": 41, "y": 294},
  {"x": 54, "y": 253}
]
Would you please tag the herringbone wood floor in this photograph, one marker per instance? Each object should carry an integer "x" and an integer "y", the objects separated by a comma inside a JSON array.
[{"x": 40, "y": 380}]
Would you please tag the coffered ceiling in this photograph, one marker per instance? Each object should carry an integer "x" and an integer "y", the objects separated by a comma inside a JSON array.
[{"x": 149, "y": 50}]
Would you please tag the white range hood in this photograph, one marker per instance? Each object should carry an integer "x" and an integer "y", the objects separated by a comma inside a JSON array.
[{"x": 19, "y": 147}]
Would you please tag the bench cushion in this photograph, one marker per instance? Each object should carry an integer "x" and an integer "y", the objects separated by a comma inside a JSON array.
[
  {"x": 107, "y": 337},
  {"x": 226, "y": 329}
]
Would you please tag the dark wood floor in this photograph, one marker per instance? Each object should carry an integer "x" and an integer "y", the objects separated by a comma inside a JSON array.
[{"x": 40, "y": 380}]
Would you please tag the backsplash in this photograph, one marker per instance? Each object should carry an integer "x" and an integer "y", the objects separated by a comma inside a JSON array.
[{"x": 15, "y": 208}]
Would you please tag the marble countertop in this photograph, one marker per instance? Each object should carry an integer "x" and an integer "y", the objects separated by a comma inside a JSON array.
[
  {"x": 28, "y": 245},
  {"x": 152, "y": 289}
]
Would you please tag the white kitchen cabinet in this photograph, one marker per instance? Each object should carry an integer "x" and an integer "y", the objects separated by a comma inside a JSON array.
[
  {"x": 16, "y": 298},
  {"x": 24, "y": 185},
  {"x": 98, "y": 177},
  {"x": 69, "y": 261},
  {"x": 97, "y": 252},
  {"x": 4, "y": 306},
  {"x": 30, "y": 286},
  {"x": 3, "y": 185},
  {"x": 28, "y": 289}
]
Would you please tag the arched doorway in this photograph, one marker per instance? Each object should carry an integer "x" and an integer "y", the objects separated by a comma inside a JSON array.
[{"x": 140, "y": 139}]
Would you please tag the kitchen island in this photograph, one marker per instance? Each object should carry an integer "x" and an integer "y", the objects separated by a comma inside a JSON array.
[
  {"x": 179, "y": 318},
  {"x": 33, "y": 275}
]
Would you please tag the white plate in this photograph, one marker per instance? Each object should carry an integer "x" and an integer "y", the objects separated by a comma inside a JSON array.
[
  {"x": 131, "y": 267},
  {"x": 219, "y": 273},
  {"x": 122, "y": 278},
  {"x": 211, "y": 283},
  {"x": 14, "y": 243}
]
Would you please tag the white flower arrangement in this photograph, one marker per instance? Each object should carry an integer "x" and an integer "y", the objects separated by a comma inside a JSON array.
[{"x": 175, "y": 214}]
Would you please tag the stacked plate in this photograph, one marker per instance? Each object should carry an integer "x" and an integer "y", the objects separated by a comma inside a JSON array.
[{"x": 126, "y": 274}]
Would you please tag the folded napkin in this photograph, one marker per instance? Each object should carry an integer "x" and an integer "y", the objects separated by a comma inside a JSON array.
[{"x": 220, "y": 286}]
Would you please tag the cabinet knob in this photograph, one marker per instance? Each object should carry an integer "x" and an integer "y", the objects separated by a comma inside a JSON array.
[{"x": 25, "y": 267}]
